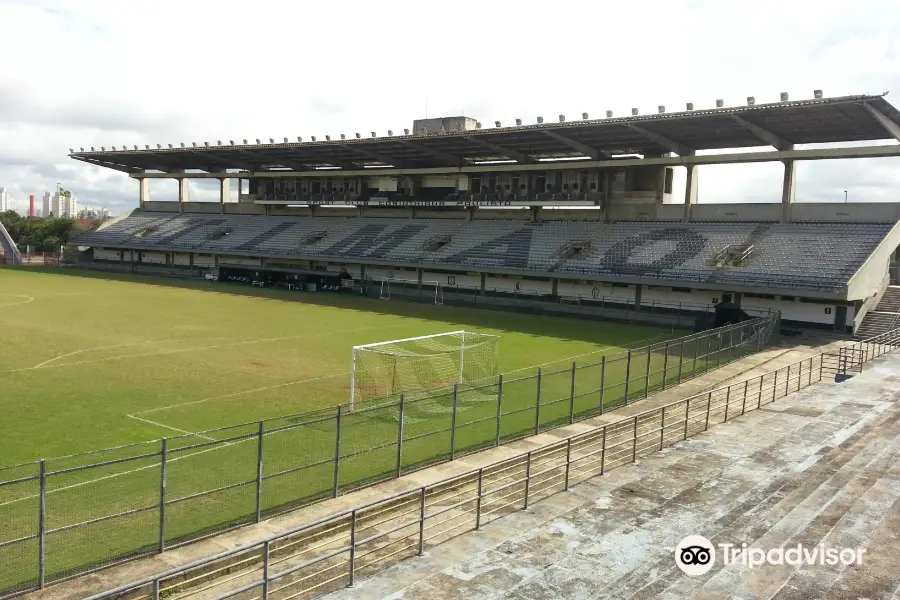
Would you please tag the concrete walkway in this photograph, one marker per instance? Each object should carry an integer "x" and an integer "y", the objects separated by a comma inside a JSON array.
[{"x": 820, "y": 466}]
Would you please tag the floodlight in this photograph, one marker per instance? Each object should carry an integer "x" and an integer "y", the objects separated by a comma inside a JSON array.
[
  {"x": 271, "y": 140},
  {"x": 609, "y": 114},
  {"x": 497, "y": 124},
  {"x": 92, "y": 148},
  {"x": 720, "y": 103},
  {"x": 231, "y": 142},
  {"x": 327, "y": 138},
  {"x": 634, "y": 112},
  {"x": 405, "y": 131},
  {"x": 390, "y": 132},
  {"x": 477, "y": 124},
  {"x": 135, "y": 147},
  {"x": 751, "y": 100},
  {"x": 285, "y": 140},
  {"x": 817, "y": 94},
  {"x": 661, "y": 108},
  {"x": 71, "y": 150},
  {"x": 114, "y": 148},
  {"x": 690, "y": 106},
  {"x": 518, "y": 122},
  {"x": 584, "y": 116},
  {"x": 313, "y": 138},
  {"x": 784, "y": 96},
  {"x": 299, "y": 139},
  {"x": 219, "y": 142},
  {"x": 194, "y": 144},
  {"x": 540, "y": 120},
  {"x": 343, "y": 137},
  {"x": 245, "y": 140},
  {"x": 146, "y": 146},
  {"x": 562, "y": 118},
  {"x": 170, "y": 145},
  {"x": 159, "y": 146},
  {"x": 258, "y": 142},
  {"x": 81, "y": 149}
]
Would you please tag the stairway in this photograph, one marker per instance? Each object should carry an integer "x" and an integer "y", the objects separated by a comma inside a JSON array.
[
  {"x": 758, "y": 231},
  {"x": 9, "y": 254},
  {"x": 885, "y": 317}
]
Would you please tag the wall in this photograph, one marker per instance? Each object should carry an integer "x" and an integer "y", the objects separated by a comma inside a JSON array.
[
  {"x": 155, "y": 206},
  {"x": 868, "y": 212},
  {"x": 594, "y": 290},
  {"x": 379, "y": 273},
  {"x": 645, "y": 212},
  {"x": 204, "y": 260},
  {"x": 153, "y": 258},
  {"x": 518, "y": 285},
  {"x": 796, "y": 310},
  {"x": 183, "y": 260},
  {"x": 103, "y": 254},
  {"x": 866, "y": 281},
  {"x": 202, "y": 207},
  {"x": 735, "y": 212},
  {"x": 240, "y": 260},
  {"x": 461, "y": 280}
]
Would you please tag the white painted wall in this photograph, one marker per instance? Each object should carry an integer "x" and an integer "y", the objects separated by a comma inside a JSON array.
[
  {"x": 796, "y": 310},
  {"x": 379, "y": 273},
  {"x": 241, "y": 260},
  {"x": 104, "y": 254},
  {"x": 457, "y": 280},
  {"x": 201, "y": 260},
  {"x": 183, "y": 260},
  {"x": 513, "y": 285},
  {"x": 594, "y": 290},
  {"x": 153, "y": 258}
]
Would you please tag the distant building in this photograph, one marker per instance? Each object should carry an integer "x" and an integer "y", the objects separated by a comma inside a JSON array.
[
  {"x": 90, "y": 213},
  {"x": 4, "y": 200},
  {"x": 62, "y": 205}
]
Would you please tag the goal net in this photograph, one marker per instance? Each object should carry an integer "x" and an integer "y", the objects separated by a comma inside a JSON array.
[
  {"x": 410, "y": 287},
  {"x": 413, "y": 366}
]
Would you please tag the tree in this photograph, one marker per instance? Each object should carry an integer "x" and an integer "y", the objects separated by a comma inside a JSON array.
[{"x": 43, "y": 235}]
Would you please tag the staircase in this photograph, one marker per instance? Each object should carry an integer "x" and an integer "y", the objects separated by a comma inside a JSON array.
[
  {"x": 885, "y": 317},
  {"x": 9, "y": 254},
  {"x": 736, "y": 255}
]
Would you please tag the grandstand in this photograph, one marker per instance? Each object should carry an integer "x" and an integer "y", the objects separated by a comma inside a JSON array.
[{"x": 571, "y": 212}]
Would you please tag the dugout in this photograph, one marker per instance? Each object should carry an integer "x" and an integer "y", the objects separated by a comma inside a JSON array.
[{"x": 334, "y": 282}]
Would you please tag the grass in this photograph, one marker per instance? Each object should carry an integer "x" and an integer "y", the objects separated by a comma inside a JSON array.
[{"x": 92, "y": 362}]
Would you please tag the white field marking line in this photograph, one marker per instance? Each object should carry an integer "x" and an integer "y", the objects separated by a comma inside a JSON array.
[
  {"x": 211, "y": 449},
  {"x": 600, "y": 349},
  {"x": 262, "y": 389},
  {"x": 163, "y": 425},
  {"x": 28, "y": 299},
  {"x": 47, "y": 362},
  {"x": 161, "y": 352}
]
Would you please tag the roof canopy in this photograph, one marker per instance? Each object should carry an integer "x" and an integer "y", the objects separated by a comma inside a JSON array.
[{"x": 829, "y": 120}]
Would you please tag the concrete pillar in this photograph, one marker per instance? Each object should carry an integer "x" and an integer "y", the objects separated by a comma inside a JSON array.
[
  {"x": 224, "y": 190},
  {"x": 638, "y": 292},
  {"x": 690, "y": 191},
  {"x": 419, "y": 276},
  {"x": 483, "y": 282},
  {"x": 788, "y": 190},
  {"x": 144, "y": 194},
  {"x": 554, "y": 290},
  {"x": 660, "y": 184},
  {"x": 737, "y": 297},
  {"x": 607, "y": 192},
  {"x": 184, "y": 191}
]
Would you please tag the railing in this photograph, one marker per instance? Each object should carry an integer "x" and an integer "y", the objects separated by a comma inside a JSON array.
[
  {"x": 336, "y": 551},
  {"x": 71, "y": 515}
]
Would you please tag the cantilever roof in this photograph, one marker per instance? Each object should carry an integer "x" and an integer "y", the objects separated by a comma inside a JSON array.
[{"x": 828, "y": 120}]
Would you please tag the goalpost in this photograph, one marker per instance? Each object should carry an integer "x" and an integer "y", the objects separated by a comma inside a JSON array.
[
  {"x": 412, "y": 284},
  {"x": 421, "y": 363}
]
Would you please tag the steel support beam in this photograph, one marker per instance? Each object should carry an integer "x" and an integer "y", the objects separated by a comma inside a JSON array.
[
  {"x": 583, "y": 148},
  {"x": 511, "y": 154},
  {"x": 764, "y": 135},
  {"x": 671, "y": 145},
  {"x": 892, "y": 129}
]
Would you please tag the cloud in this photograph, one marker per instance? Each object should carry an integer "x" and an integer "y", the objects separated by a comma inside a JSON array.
[{"x": 101, "y": 73}]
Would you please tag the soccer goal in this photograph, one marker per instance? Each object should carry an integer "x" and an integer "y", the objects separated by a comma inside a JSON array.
[
  {"x": 432, "y": 289},
  {"x": 422, "y": 363}
]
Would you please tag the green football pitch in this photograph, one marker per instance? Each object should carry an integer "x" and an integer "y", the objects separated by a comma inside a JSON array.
[
  {"x": 90, "y": 362},
  {"x": 105, "y": 365}
]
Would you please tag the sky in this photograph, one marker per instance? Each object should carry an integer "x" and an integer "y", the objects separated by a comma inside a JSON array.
[{"x": 81, "y": 73}]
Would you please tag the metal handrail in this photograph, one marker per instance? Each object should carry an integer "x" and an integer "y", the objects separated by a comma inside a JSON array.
[{"x": 889, "y": 339}]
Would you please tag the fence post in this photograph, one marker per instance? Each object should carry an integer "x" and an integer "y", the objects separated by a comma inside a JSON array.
[
  {"x": 727, "y": 402},
  {"x": 787, "y": 384},
  {"x": 603, "y": 452},
  {"x": 696, "y": 351},
  {"x": 42, "y": 524},
  {"x": 265, "y": 593},
  {"x": 499, "y": 407},
  {"x": 478, "y": 499},
  {"x": 163, "y": 463},
  {"x": 422, "y": 522},
  {"x": 665, "y": 366},
  {"x": 744, "y": 402},
  {"x": 627, "y": 376},
  {"x": 453, "y": 421},
  {"x": 259, "y": 470},
  {"x": 537, "y": 402},
  {"x": 680, "y": 360},
  {"x": 759, "y": 399},
  {"x": 156, "y": 589},
  {"x": 687, "y": 414},
  {"x": 527, "y": 479},
  {"x": 352, "y": 562},
  {"x": 647, "y": 374},
  {"x": 337, "y": 451},
  {"x": 708, "y": 408},
  {"x": 568, "y": 461},
  {"x": 400, "y": 436},
  {"x": 572, "y": 396},
  {"x": 662, "y": 428},
  {"x": 634, "y": 447},
  {"x": 602, "y": 381}
]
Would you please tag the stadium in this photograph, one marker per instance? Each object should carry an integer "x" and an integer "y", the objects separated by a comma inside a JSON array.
[{"x": 387, "y": 344}]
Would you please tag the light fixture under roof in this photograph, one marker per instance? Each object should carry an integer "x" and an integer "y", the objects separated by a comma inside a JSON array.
[
  {"x": 81, "y": 149},
  {"x": 231, "y": 142},
  {"x": 584, "y": 116},
  {"x": 219, "y": 142},
  {"x": 92, "y": 148},
  {"x": 373, "y": 134},
  {"x": 720, "y": 103},
  {"x": 182, "y": 144},
  {"x": 114, "y": 148}
]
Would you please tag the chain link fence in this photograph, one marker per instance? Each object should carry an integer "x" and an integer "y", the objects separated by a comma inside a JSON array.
[{"x": 72, "y": 515}]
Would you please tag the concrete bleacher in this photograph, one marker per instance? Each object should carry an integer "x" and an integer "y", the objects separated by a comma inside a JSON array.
[{"x": 803, "y": 255}]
